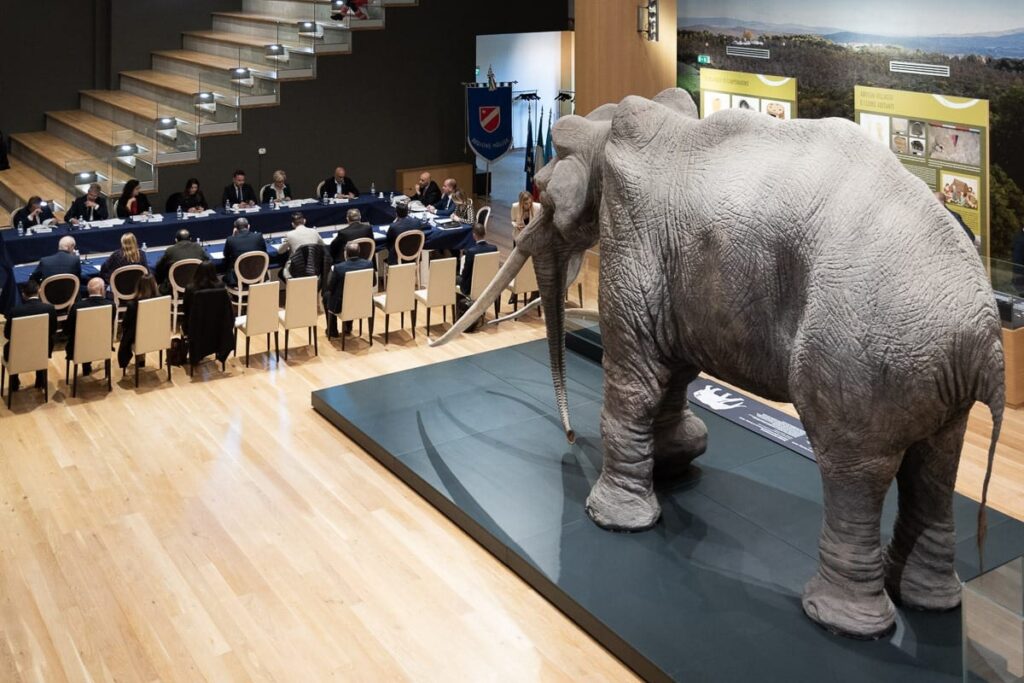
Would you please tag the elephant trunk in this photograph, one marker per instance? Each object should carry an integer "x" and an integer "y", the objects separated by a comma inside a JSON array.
[{"x": 551, "y": 273}]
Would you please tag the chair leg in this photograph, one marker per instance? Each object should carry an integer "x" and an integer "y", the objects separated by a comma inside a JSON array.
[
  {"x": 413, "y": 323},
  {"x": 444, "y": 314},
  {"x": 46, "y": 387},
  {"x": 74, "y": 387},
  {"x": 110, "y": 380},
  {"x": 161, "y": 360},
  {"x": 369, "y": 324},
  {"x": 268, "y": 344},
  {"x": 579, "y": 286},
  {"x": 309, "y": 336},
  {"x": 343, "y": 335},
  {"x": 428, "y": 321},
  {"x": 497, "y": 310},
  {"x": 454, "y": 317},
  {"x": 316, "y": 341},
  {"x": 515, "y": 303},
  {"x": 67, "y": 370},
  {"x": 137, "y": 366},
  {"x": 247, "y": 338},
  {"x": 169, "y": 372},
  {"x": 387, "y": 326},
  {"x": 277, "y": 347},
  {"x": 402, "y": 319},
  {"x": 360, "y": 329},
  {"x": 3, "y": 378},
  {"x": 286, "y": 344}
]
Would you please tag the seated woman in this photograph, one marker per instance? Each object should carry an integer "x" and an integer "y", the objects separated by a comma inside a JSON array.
[
  {"x": 192, "y": 199},
  {"x": 127, "y": 255},
  {"x": 131, "y": 202},
  {"x": 33, "y": 214},
  {"x": 463, "y": 207},
  {"x": 146, "y": 289},
  {"x": 523, "y": 211},
  {"x": 208, "y": 321},
  {"x": 279, "y": 190}
]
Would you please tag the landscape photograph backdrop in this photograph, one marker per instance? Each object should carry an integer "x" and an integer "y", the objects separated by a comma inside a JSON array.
[{"x": 830, "y": 47}]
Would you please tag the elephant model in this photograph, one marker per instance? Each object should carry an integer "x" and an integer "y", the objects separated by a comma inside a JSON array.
[{"x": 797, "y": 260}]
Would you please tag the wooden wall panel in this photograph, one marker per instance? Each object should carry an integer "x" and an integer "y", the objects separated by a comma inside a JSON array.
[{"x": 613, "y": 60}]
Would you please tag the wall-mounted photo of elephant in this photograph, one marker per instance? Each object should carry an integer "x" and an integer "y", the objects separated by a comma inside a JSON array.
[{"x": 797, "y": 260}]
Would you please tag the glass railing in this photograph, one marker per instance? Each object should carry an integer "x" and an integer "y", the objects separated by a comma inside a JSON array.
[
  {"x": 286, "y": 54},
  {"x": 134, "y": 156},
  {"x": 328, "y": 23},
  {"x": 216, "y": 106},
  {"x": 175, "y": 134},
  {"x": 1008, "y": 284}
]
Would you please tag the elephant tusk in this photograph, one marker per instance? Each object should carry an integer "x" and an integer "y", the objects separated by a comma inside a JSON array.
[{"x": 518, "y": 314}]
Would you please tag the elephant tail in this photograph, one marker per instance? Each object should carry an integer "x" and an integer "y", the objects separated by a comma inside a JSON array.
[{"x": 996, "y": 401}]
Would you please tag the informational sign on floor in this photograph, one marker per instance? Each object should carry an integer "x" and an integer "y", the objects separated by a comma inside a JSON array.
[
  {"x": 750, "y": 413},
  {"x": 772, "y": 95},
  {"x": 942, "y": 140}
]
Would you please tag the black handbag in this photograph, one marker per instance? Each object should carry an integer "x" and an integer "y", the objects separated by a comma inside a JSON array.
[
  {"x": 178, "y": 353},
  {"x": 462, "y": 304}
]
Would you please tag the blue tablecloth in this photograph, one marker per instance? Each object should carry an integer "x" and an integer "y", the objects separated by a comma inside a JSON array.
[
  {"x": 31, "y": 248},
  {"x": 440, "y": 239}
]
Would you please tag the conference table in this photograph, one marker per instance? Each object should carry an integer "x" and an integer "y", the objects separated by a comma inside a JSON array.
[{"x": 95, "y": 244}]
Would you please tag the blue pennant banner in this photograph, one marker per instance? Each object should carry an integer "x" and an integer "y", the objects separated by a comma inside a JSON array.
[{"x": 490, "y": 121}]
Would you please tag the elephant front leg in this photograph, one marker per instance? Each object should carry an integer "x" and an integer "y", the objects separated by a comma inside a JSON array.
[
  {"x": 679, "y": 435},
  {"x": 919, "y": 561},
  {"x": 847, "y": 595}
]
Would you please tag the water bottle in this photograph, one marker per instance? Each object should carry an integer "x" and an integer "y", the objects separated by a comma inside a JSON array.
[
  {"x": 227, "y": 205},
  {"x": 273, "y": 203},
  {"x": 21, "y": 228},
  {"x": 373, "y": 188},
  {"x": 391, "y": 197},
  {"x": 143, "y": 247},
  {"x": 181, "y": 214},
  {"x": 149, "y": 212}
]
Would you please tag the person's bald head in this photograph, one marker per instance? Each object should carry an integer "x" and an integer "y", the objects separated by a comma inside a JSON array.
[
  {"x": 67, "y": 243},
  {"x": 425, "y": 178},
  {"x": 339, "y": 172},
  {"x": 182, "y": 236},
  {"x": 97, "y": 287}
]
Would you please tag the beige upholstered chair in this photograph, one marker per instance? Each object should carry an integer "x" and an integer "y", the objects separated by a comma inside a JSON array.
[
  {"x": 484, "y": 215},
  {"x": 300, "y": 310},
  {"x": 525, "y": 283},
  {"x": 178, "y": 277},
  {"x": 409, "y": 246},
  {"x": 62, "y": 292},
  {"x": 399, "y": 297},
  {"x": 123, "y": 283},
  {"x": 439, "y": 292},
  {"x": 367, "y": 247},
  {"x": 260, "y": 315},
  {"x": 29, "y": 350},
  {"x": 259, "y": 197},
  {"x": 485, "y": 267},
  {"x": 152, "y": 331},
  {"x": 356, "y": 302},
  {"x": 320, "y": 189},
  {"x": 93, "y": 341},
  {"x": 250, "y": 269}
]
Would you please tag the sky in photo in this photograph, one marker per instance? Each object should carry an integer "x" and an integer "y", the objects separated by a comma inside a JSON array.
[{"x": 885, "y": 17}]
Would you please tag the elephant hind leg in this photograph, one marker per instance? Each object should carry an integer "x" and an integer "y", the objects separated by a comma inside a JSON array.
[
  {"x": 919, "y": 561},
  {"x": 847, "y": 594},
  {"x": 679, "y": 435}
]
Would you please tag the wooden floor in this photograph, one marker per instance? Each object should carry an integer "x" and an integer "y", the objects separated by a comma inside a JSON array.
[{"x": 218, "y": 529}]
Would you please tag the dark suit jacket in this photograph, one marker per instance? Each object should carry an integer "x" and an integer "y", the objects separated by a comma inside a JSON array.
[
  {"x": 31, "y": 307},
  {"x": 235, "y": 246},
  {"x": 335, "y": 289},
  {"x": 122, "y": 212},
  {"x": 352, "y": 231},
  {"x": 79, "y": 211},
  {"x": 209, "y": 323},
  {"x": 118, "y": 259},
  {"x": 397, "y": 228},
  {"x": 231, "y": 193},
  {"x": 72, "y": 321},
  {"x": 445, "y": 206},
  {"x": 269, "y": 192},
  {"x": 57, "y": 264},
  {"x": 179, "y": 251},
  {"x": 21, "y": 215},
  {"x": 466, "y": 281},
  {"x": 429, "y": 196},
  {"x": 331, "y": 187}
]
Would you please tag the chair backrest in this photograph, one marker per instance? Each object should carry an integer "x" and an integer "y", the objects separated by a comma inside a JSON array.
[
  {"x": 60, "y": 290},
  {"x": 181, "y": 274},
  {"x": 308, "y": 260},
  {"x": 367, "y": 247},
  {"x": 262, "y": 190},
  {"x": 93, "y": 333},
  {"x": 173, "y": 202},
  {"x": 484, "y": 215},
  {"x": 261, "y": 314},
  {"x": 30, "y": 344},
  {"x": 401, "y": 288},
  {"x": 357, "y": 299},
  {"x": 153, "y": 325},
  {"x": 409, "y": 245},
  {"x": 440, "y": 286},
  {"x": 300, "y": 302},
  {"x": 124, "y": 281},
  {"x": 526, "y": 279},
  {"x": 485, "y": 267},
  {"x": 320, "y": 189},
  {"x": 251, "y": 267}
]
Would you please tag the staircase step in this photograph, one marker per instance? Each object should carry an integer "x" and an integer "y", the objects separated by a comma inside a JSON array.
[
  {"x": 141, "y": 107},
  {"x": 104, "y": 133},
  {"x": 21, "y": 181},
  {"x": 5, "y": 219},
  {"x": 248, "y": 40},
  {"x": 59, "y": 160},
  {"x": 215, "y": 71},
  {"x": 264, "y": 29}
]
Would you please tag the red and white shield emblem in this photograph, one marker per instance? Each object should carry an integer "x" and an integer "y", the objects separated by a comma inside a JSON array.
[{"x": 490, "y": 118}]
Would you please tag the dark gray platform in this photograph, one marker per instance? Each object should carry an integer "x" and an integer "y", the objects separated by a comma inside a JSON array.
[{"x": 711, "y": 594}]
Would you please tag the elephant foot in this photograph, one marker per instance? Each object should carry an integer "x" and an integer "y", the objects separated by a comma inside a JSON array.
[
  {"x": 615, "y": 508},
  {"x": 914, "y": 585},
  {"x": 677, "y": 446},
  {"x": 840, "y": 611}
]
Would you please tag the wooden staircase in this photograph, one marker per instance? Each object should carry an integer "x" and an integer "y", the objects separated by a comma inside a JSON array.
[{"x": 158, "y": 117}]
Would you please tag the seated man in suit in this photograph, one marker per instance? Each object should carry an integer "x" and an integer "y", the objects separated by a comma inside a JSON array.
[
  {"x": 97, "y": 296},
  {"x": 355, "y": 229},
  {"x": 64, "y": 261},
  {"x": 89, "y": 207},
  {"x": 335, "y": 288},
  {"x": 445, "y": 206},
  {"x": 339, "y": 186},
  {"x": 480, "y": 246},
  {"x": 299, "y": 236},
  {"x": 242, "y": 241},
  {"x": 426, "y": 191},
  {"x": 403, "y": 223},
  {"x": 34, "y": 213},
  {"x": 239, "y": 192},
  {"x": 183, "y": 248},
  {"x": 31, "y": 305}
]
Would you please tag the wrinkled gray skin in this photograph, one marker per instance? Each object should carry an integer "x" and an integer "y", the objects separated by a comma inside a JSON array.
[{"x": 799, "y": 261}]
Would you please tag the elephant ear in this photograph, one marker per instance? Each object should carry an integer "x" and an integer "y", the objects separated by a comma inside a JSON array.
[
  {"x": 679, "y": 101},
  {"x": 567, "y": 184},
  {"x": 606, "y": 112}
]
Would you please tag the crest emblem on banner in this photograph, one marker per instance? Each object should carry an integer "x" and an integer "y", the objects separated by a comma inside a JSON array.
[{"x": 490, "y": 121}]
